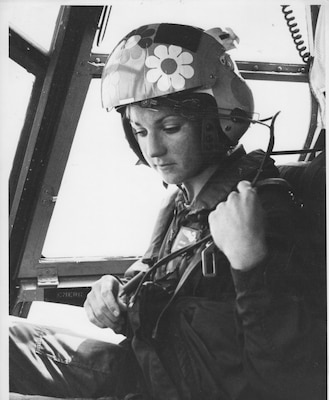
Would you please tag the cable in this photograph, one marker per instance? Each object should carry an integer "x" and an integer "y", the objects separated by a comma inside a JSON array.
[
  {"x": 268, "y": 150},
  {"x": 295, "y": 34},
  {"x": 137, "y": 281}
]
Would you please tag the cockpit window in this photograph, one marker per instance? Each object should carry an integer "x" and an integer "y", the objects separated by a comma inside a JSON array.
[
  {"x": 263, "y": 32},
  {"x": 36, "y": 22},
  {"x": 293, "y": 100},
  {"x": 107, "y": 204},
  {"x": 102, "y": 189},
  {"x": 21, "y": 82}
]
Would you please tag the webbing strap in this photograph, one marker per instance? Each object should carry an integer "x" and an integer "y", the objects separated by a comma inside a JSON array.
[{"x": 192, "y": 265}]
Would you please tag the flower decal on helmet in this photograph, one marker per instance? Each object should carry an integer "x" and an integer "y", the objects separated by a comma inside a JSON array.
[
  {"x": 169, "y": 67},
  {"x": 134, "y": 45},
  {"x": 145, "y": 33},
  {"x": 111, "y": 82}
]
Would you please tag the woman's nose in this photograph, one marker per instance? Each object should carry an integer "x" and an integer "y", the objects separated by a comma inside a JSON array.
[{"x": 155, "y": 145}]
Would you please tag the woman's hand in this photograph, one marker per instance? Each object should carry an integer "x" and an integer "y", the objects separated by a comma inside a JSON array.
[
  {"x": 103, "y": 306},
  {"x": 237, "y": 228}
]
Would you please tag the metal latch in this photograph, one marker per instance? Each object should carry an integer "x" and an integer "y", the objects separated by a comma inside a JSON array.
[
  {"x": 47, "y": 276},
  {"x": 208, "y": 260}
]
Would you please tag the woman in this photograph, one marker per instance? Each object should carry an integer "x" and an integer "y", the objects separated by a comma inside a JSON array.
[{"x": 223, "y": 321}]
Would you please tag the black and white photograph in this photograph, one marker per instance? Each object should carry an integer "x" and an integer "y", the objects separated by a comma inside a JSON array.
[{"x": 163, "y": 200}]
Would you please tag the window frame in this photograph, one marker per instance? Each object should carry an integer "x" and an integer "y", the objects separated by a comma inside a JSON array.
[{"x": 54, "y": 121}]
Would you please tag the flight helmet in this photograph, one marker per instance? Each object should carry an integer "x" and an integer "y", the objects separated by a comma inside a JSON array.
[{"x": 173, "y": 62}]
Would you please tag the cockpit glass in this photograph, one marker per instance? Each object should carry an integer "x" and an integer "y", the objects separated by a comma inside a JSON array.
[
  {"x": 107, "y": 204},
  {"x": 35, "y": 21},
  {"x": 261, "y": 27},
  {"x": 15, "y": 108},
  {"x": 102, "y": 188}
]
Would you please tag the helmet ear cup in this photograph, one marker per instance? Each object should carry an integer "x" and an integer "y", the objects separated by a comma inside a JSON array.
[
  {"x": 214, "y": 143},
  {"x": 236, "y": 125},
  {"x": 210, "y": 138}
]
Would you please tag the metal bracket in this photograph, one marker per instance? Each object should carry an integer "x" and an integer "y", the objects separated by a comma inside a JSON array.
[
  {"x": 208, "y": 260},
  {"x": 48, "y": 196},
  {"x": 47, "y": 276}
]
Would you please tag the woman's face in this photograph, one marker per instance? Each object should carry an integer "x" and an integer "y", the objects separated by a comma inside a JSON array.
[{"x": 170, "y": 143}]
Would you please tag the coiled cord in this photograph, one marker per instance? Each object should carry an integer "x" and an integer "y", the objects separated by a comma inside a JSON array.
[{"x": 295, "y": 34}]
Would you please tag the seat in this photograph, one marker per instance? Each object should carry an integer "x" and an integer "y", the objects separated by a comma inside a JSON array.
[{"x": 308, "y": 181}]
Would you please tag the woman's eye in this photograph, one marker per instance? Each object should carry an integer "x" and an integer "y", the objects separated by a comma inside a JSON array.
[
  {"x": 171, "y": 129},
  {"x": 140, "y": 133}
]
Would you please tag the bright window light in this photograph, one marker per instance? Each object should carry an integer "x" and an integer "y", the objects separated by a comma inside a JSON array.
[
  {"x": 70, "y": 318},
  {"x": 261, "y": 27},
  {"x": 293, "y": 100},
  {"x": 35, "y": 22},
  {"x": 18, "y": 96},
  {"x": 106, "y": 204}
]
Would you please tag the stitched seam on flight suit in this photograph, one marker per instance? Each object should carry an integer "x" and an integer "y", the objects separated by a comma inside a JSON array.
[{"x": 57, "y": 357}]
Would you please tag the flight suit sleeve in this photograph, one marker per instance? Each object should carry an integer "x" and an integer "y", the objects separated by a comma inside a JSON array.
[{"x": 283, "y": 341}]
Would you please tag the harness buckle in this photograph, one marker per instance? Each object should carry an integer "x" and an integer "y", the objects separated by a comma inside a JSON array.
[{"x": 208, "y": 260}]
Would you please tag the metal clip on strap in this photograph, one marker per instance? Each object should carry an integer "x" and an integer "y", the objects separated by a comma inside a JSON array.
[{"x": 208, "y": 260}]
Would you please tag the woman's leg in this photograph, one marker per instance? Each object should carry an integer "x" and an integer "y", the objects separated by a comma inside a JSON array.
[{"x": 57, "y": 362}]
